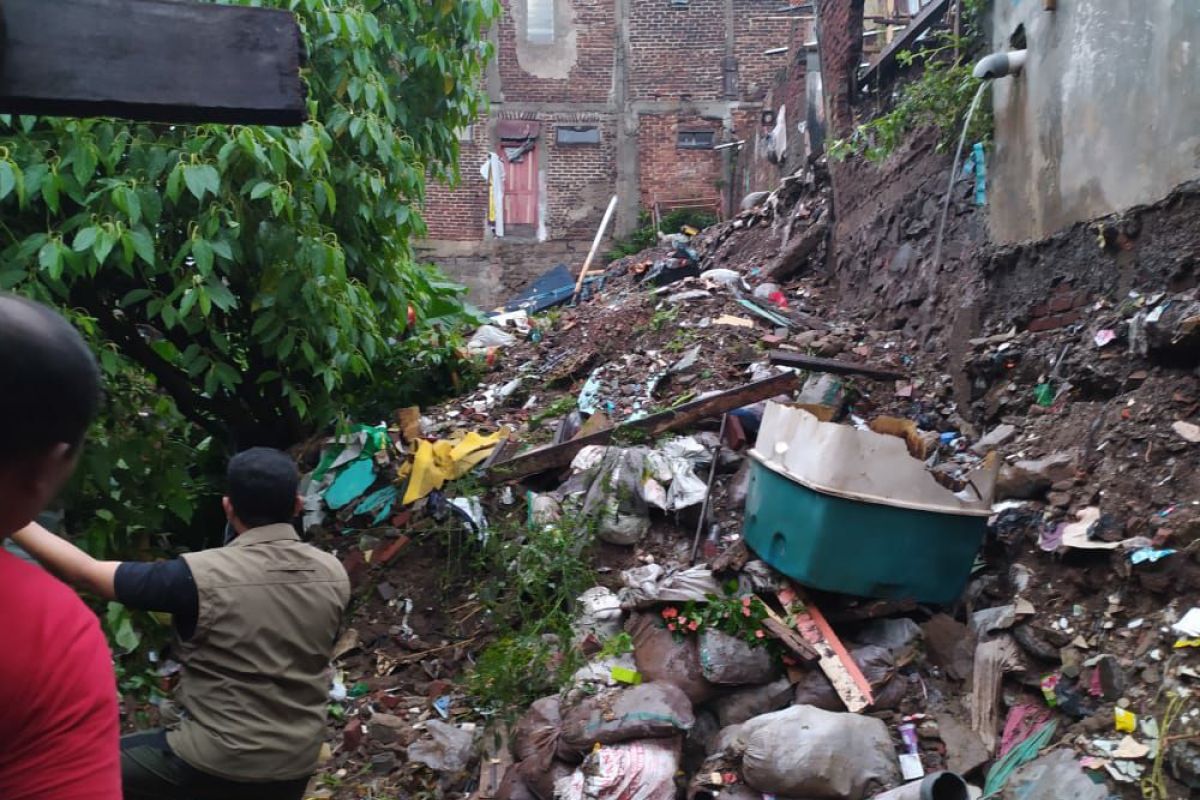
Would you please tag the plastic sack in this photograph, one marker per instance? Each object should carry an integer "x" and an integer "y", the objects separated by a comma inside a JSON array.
[
  {"x": 541, "y": 780},
  {"x": 599, "y": 614},
  {"x": 803, "y": 751},
  {"x": 652, "y": 584},
  {"x": 489, "y": 336},
  {"x": 648, "y": 711},
  {"x": 660, "y": 657},
  {"x": 745, "y": 704},
  {"x": 730, "y": 661},
  {"x": 642, "y": 770},
  {"x": 449, "y": 750},
  {"x": 878, "y": 667},
  {"x": 536, "y": 736}
]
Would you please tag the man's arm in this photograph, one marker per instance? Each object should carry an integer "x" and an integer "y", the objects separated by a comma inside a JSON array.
[{"x": 67, "y": 561}]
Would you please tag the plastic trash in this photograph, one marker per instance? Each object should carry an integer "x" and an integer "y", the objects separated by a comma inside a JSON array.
[
  {"x": 642, "y": 770},
  {"x": 1054, "y": 776},
  {"x": 536, "y": 737},
  {"x": 806, "y": 752},
  {"x": 653, "y": 584},
  {"x": 488, "y": 336},
  {"x": 448, "y": 749},
  {"x": 599, "y": 614},
  {"x": 935, "y": 786},
  {"x": 350, "y": 484},
  {"x": 741, "y": 705},
  {"x": 649, "y": 711}
]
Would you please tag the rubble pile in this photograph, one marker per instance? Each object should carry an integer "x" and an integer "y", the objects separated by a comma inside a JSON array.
[{"x": 660, "y": 413}]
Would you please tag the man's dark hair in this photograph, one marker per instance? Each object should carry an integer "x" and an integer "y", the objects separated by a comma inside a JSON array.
[
  {"x": 262, "y": 486},
  {"x": 51, "y": 381}
]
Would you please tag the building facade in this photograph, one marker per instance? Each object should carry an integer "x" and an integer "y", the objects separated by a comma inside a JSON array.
[{"x": 663, "y": 103}]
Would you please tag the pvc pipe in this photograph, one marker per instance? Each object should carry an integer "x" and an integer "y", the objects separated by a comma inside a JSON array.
[
  {"x": 935, "y": 786},
  {"x": 997, "y": 65}
]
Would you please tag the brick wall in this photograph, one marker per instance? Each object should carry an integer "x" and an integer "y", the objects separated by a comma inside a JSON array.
[
  {"x": 841, "y": 28},
  {"x": 590, "y": 24},
  {"x": 676, "y": 51},
  {"x": 460, "y": 213},
  {"x": 668, "y": 172},
  {"x": 754, "y": 32},
  {"x": 580, "y": 179}
]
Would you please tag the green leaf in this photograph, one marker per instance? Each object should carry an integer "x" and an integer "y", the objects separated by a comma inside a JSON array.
[
  {"x": 143, "y": 245},
  {"x": 85, "y": 238},
  {"x": 135, "y": 296},
  {"x": 50, "y": 191},
  {"x": 201, "y": 178},
  {"x": 222, "y": 248},
  {"x": 175, "y": 183},
  {"x": 202, "y": 251},
  {"x": 83, "y": 161},
  {"x": 8, "y": 179},
  {"x": 50, "y": 258},
  {"x": 205, "y": 301},
  {"x": 105, "y": 242},
  {"x": 188, "y": 302},
  {"x": 261, "y": 190},
  {"x": 222, "y": 298}
]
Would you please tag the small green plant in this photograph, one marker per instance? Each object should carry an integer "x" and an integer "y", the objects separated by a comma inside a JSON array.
[
  {"x": 742, "y": 617},
  {"x": 663, "y": 317},
  {"x": 647, "y": 236},
  {"x": 617, "y": 645},
  {"x": 561, "y": 406},
  {"x": 939, "y": 97}
]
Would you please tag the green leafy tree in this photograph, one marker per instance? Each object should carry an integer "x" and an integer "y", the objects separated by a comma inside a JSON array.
[{"x": 256, "y": 271}]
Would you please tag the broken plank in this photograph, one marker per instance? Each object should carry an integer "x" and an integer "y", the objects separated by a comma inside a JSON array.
[
  {"x": 559, "y": 455},
  {"x": 833, "y": 657},
  {"x": 832, "y": 365},
  {"x": 930, "y": 14},
  {"x": 993, "y": 659},
  {"x": 792, "y": 640},
  {"x": 155, "y": 60}
]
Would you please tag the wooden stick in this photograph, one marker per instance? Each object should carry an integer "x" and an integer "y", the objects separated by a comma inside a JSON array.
[
  {"x": 608, "y": 215},
  {"x": 832, "y": 365},
  {"x": 712, "y": 473},
  {"x": 559, "y": 455}
]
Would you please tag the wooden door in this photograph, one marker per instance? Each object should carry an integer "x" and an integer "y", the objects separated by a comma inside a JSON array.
[{"x": 520, "y": 181}]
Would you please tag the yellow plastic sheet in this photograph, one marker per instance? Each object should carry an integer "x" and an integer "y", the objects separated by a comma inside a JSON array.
[{"x": 447, "y": 459}]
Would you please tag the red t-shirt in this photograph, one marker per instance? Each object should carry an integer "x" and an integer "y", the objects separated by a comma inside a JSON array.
[{"x": 59, "y": 729}]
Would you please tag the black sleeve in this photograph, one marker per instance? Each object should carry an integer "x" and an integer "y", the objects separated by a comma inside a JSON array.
[{"x": 165, "y": 586}]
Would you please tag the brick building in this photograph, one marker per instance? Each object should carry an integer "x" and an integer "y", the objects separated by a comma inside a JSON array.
[{"x": 596, "y": 98}]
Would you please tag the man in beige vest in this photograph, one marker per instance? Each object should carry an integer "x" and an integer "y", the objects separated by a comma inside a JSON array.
[{"x": 257, "y": 621}]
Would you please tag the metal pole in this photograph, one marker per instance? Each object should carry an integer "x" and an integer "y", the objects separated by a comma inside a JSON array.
[{"x": 712, "y": 474}]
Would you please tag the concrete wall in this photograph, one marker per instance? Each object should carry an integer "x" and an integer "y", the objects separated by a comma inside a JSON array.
[{"x": 1106, "y": 115}]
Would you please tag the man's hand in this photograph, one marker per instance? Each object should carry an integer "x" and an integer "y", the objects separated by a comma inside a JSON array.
[{"x": 67, "y": 561}]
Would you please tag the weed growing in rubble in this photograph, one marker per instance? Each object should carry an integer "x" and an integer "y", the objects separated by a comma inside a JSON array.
[
  {"x": 663, "y": 317},
  {"x": 530, "y": 578},
  {"x": 940, "y": 97},
  {"x": 742, "y": 617},
  {"x": 561, "y": 406}
]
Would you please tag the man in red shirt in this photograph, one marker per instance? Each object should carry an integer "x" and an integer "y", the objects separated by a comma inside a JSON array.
[{"x": 58, "y": 704}]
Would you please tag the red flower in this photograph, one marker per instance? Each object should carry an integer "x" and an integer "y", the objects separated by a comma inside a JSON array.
[
  {"x": 670, "y": 626},
  {"x": 759, "y": 634},
  {"x": 693, "y": 625},
  {"x": 670, "y": 612},
  {"x": 745, "y": 611}
]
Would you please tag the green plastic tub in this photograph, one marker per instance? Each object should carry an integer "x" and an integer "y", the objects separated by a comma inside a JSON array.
[{"x": 850, "y": 511}]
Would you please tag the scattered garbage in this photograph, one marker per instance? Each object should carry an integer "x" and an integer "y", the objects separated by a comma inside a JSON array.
[
  {"x": 641, "y": 770},
  {"x": 448, "y": 749}
]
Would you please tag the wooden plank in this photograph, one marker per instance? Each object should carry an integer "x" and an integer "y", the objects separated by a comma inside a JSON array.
[
  {"x": 546, "y": 458},
  {"x": 923, "y": 21},
  {"x": 151, "y": 60},
  {"x": 778, "y": 628},
  {"x": 833, "y": 366},
  {"x": 833, "y": 657},
  {"x": 993, "y": 659}
]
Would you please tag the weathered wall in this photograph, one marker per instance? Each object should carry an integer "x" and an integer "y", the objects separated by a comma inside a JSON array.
[
  {"x": 459, "y": 213},
  {"x": 668, "y": 172},
  {"x": 576, "y": 67},
  {"x": 1105, "y": 116}
]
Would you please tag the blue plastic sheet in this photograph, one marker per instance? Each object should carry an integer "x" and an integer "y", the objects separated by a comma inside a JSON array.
[
  {"x": 380, "y": 501},
  {"x": 350, "y": 484}
]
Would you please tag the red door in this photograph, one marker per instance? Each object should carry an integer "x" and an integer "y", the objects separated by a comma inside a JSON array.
[{"x": 520, "y": 158}]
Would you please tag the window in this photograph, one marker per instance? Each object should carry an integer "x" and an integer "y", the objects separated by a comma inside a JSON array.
[
  {"x": 539, "y": 21},
  {"x": 695, "y": 140},
  {"x": 466, "y": 133},
  {"x": 576, "y": 134}
]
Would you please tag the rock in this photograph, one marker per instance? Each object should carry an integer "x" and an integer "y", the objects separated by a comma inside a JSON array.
[
  {"x": 806, "y": 752},
  {"x": 1028, "y": 480},
  {"x": 806, "y": 338},
  {"x": 1183, "y": 762},
  {"x": 1187, "y": 431},
  {"x": 744, "y": 704},
  {"x": 383, "y": 762},
  {"x": 1059, "y": 499},
  {"x": 1054, "y": 776},
  {"x": 950, "y": 645},
  {"x": 448, "y": 750},
  {"x": 754, "y": 199},
  {"x": 996, "y": 437},
  {"x": 965, "y": 751}
]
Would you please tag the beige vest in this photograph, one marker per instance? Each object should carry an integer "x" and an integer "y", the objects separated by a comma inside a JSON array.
[{"x": 255, "y": 680}]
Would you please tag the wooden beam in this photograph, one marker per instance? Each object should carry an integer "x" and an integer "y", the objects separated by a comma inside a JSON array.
[
  {"x": 833, "y": 366},
  {"x": 154, "y": 60},
  {"x": 923, "y": 21},
  {"x": 559, "y": 455}
]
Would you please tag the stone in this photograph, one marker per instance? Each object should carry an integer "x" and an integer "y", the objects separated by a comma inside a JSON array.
[
  {"x": 964, "y": 749},
  {"x": 803, "y": 751},
  {"x": 996, "y": 437},
  {"x": 1029, "y": 480},
  {"x": 806, "y": 338},
  {"x": 1054, "y": 776},
  {"x": 1187, "y": 431}
]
